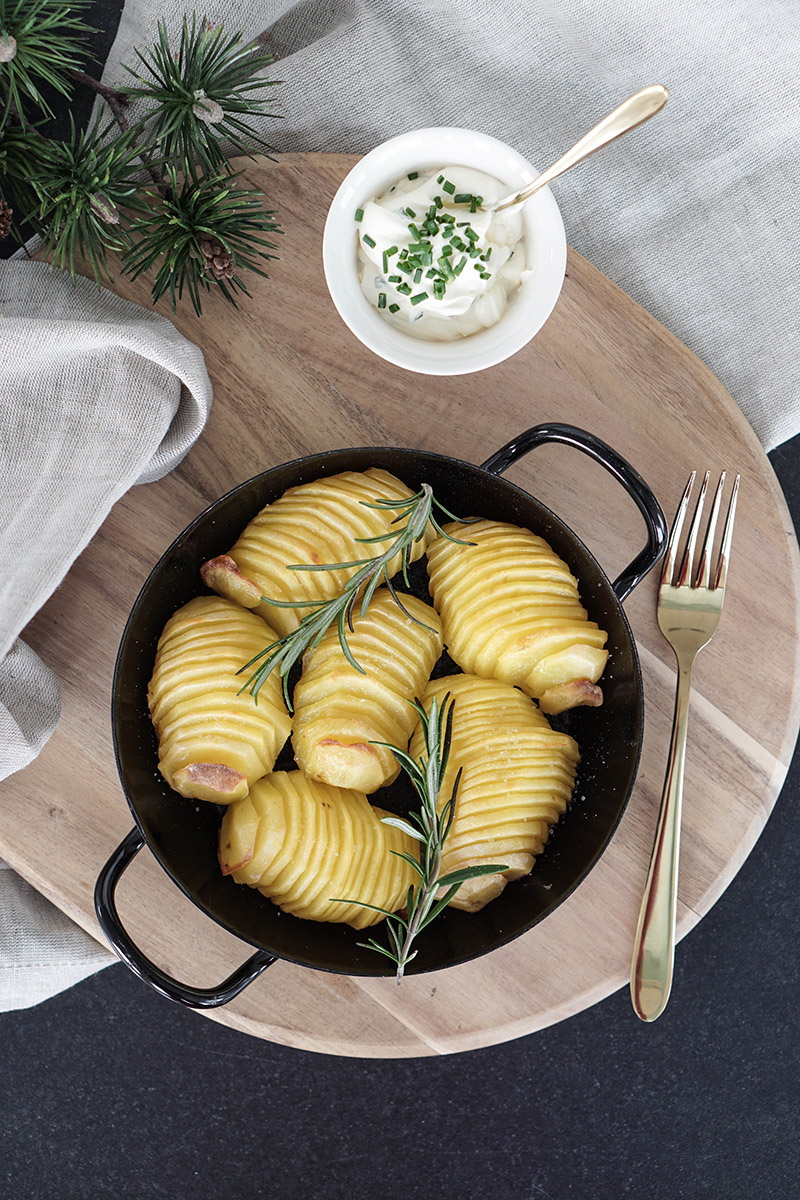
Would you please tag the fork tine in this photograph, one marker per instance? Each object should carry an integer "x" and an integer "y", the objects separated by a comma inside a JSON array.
[
  {"x": 685, "y": 575},
  {"x": 704, "y": 570},
  {"x": 725, "y": 548},
  {"x": 675, "y": 533}
]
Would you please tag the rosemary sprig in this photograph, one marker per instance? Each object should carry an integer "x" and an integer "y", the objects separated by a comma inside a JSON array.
[
  {"x": 429, "y": 828},
  {"x": 283, "y": 654}
]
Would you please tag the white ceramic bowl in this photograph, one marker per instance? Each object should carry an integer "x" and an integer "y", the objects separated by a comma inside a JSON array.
[{"x": 425, "y": 149}]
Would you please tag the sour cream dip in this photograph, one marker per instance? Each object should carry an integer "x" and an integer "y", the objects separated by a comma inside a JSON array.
[{"x": 433, "y": 261}]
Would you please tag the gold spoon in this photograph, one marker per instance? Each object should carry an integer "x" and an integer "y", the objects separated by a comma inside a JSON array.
[{"x": 637, "y": 109}]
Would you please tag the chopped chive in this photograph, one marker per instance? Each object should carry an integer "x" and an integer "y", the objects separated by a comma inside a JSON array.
[
  {"x": 404, "y": 288},
  {"x": 458, "y": 269},
  {"x": 368, "y": 240},
  {"x": 381, "y": 299},
  {"x": 385, "y": 262},
  {"x": 474, "y": 252},
  {"x": 409, "y": 212},
  {"x": 414, "y": 230},
  {"x": 413, "y": 175},
  {"x": 359, "y": 214},
  {"x": 438, "y": 289},
  {"x": 417, "y": 247},
  {"x": 395, "y": 278},
  {"x": 486, "y": 275},
  {"x": 440, "y": 178},
  {"x": 462, "y": 198},
  {"x": 447, "y": 251},
  {"x": 418, "y": 275},
  {"x": 393, "y": 308},
  {"x": 438, "y": 201},
  {"x": 448, "y": 187},
  {"x": 392, "y": 250},
  {"x": 420, "y": 296},
  {"x": 432, "y": 273},
  {"x": 471, "y": 234}
]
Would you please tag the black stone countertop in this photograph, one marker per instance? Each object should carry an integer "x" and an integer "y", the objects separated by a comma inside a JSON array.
[{"x": 109, "y": 1091}]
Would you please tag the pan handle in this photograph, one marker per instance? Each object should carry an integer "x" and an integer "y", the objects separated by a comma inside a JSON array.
[
  {"x": 129, "y": 952},
  {"x": 623, "y": 472}
]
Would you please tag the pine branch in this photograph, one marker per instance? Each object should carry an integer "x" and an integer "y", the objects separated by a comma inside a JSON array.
[
  {"x": 204, "y": 93},
  {"x": 202, "y": 234},
  {"x": 197, "y": 228},
  {"x": 82, "y": 184},
  {"x": 40, "y": 43}
]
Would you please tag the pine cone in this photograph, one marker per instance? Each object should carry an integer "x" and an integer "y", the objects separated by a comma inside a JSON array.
[
  {"x": 218, "y": 263},
  {"x": 6, "y": 213}
]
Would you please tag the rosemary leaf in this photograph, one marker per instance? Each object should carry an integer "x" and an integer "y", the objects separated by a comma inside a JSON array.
[
  {"x": 423, "y": 903},
  {"x": 284, "y": 653}
]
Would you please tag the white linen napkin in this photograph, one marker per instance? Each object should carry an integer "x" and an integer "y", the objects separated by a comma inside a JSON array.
[{"x": 96, "y": 394}]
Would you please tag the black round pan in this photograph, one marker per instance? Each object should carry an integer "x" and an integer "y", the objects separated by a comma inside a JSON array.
[{"x": 182, "y": 834}]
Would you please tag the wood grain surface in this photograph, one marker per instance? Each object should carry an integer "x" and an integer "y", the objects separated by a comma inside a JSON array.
[{"x": 289, "y": 380}]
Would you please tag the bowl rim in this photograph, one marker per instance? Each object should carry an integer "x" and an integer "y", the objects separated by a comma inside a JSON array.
[{"x": 544, "y": 230}]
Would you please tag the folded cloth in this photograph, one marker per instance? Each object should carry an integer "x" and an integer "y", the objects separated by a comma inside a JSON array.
[
  {"x": 694, "y": 215},
  {"x": 96, "y": 394}
]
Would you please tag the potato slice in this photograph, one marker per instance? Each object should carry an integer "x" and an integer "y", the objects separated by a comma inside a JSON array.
[
  {"x": 306, "y": 844},
  {"x": 313, "y": 523},
  {"x": 341, "y": 714},
  {"x": 517, "y": 779},
  {"x": 214, "y": 742},
  {"x": 510, "y": 610}
]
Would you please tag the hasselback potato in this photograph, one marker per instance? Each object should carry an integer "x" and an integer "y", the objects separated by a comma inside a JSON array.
[
  {"x": 306, "y": 844},
  {"x": 340, "y": 712},
  {"x": 316, "y": 522},
  {"x": 517, "y": 779},
  {"x": 510, "y": 610},
  {"x": 212, "y": 742}
]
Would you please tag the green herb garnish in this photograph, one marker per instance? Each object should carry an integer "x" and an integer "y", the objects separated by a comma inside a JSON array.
[
  {"x": 284, "y": 653},
  {"x": 429, "y": 828}
]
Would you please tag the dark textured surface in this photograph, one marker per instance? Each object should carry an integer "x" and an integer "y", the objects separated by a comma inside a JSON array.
[{"x": 109, "y": 1091}]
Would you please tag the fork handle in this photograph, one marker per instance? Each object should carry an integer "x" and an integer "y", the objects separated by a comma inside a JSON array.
[{"x": 654, "y": 945}]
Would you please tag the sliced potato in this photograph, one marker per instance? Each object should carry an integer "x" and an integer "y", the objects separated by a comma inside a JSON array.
[
  {"x": 312, "y": 524},
  {"x": 213, "y": 743},
  {"x": 308, "y": 846},
  {"x": 342, "y": 714},
  {"x": 510, "y": 610},
  {"x": 517, "y": 776}
]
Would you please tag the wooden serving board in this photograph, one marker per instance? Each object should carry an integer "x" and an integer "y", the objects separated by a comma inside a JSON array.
[{"x": 291, "y": 380}]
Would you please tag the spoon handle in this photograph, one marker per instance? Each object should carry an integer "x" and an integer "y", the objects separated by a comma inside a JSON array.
[{"x": 637, "y": 109}]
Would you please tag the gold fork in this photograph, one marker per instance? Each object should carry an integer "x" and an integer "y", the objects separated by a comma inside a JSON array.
[{"x": 689, "y": 609}]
